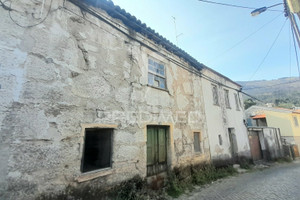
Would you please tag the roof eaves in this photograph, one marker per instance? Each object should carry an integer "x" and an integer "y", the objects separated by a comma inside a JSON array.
[{"x": 133, "y": 23}]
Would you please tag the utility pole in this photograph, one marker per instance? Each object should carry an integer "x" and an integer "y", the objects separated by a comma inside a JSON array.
[{"x": 290, "y": 7}]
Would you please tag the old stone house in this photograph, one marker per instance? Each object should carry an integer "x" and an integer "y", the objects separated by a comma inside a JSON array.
[{"x": 90, "y": 94}]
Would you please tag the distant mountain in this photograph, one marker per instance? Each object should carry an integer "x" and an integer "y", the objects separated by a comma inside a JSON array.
[{"x": 283, "y": 92}]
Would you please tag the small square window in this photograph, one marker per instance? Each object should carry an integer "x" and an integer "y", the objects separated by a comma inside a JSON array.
[
  {"x": 97, "y": 149},
  {"x": 156, "y": 74},
  {"x": 197, "y": 147},
  {"x": 215, "y": 95}
]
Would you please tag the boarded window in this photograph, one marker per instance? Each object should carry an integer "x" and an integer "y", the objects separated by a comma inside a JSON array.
[
  {"x": 296, "y": 121},
  {"x": 215, "y": 95},
  {"x": 156, "y": 74},
  {"x": 226, "y": 95},
  {"x": 197, "y": 147},
  {"x": 236, "y": 97},
  {"x": 97, "y": 149},
  {"x": 156, "y": 149}
]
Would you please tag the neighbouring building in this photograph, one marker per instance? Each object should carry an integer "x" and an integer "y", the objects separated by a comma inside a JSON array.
[
  {"x": 287, "y": 120},
  {"x": 265, "y": 143},
  {"x": 90, "y": 95},
  {"x": 226, "y": 121}
]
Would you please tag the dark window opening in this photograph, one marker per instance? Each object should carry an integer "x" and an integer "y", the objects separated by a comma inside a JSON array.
[
  {"x": 197, "y": 147},
  {"x": 97, "y": 149},
  {"x": 215, "y": 95},
  {"x": 227, "y": 102},
  {"x": 220, "y": 140}
]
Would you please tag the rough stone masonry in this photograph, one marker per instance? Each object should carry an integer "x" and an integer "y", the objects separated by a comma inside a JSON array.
[{"x": 64, "y": 73}]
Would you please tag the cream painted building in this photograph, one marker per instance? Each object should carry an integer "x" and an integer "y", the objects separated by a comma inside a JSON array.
[
  {"x": 90, "y": 95},
  {"x": 288, "y": 120}
]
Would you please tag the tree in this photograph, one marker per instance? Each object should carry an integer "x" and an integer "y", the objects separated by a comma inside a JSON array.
[{"x": 248, "y": 103}]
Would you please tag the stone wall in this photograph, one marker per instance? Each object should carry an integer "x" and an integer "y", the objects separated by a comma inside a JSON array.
[{"x": 73, "y": 71}]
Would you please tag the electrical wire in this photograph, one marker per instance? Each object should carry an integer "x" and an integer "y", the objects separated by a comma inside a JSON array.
[
  {"x": 27, "y": 26},
  {"x": 2, "y": 4},
  {"x": 245, "y": 39},
  {"x": 263, "y": 60},
  {"x": 294, "y": 42},
  {"x": 234, "y": 6}
]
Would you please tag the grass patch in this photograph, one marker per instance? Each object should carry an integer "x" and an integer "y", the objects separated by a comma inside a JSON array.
[
  {"x": 283, "y": 160},
  {"x": 245, "y": 164},
  {"x": 199, "y": 175}
]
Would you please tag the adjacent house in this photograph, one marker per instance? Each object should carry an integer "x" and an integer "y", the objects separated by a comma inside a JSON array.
[
  {"x": 226, "y": 121},
  {"x": 285, "y": 119},
  {"x": 265, "y": 143},
  {"x": 90, "y": 95}
]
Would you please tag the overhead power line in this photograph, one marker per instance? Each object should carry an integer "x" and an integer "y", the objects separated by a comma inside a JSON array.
[
  {"x": 263, "y": 60},
  {"x": 234, "y": 6},
  {"x": 246, "y": 38}
]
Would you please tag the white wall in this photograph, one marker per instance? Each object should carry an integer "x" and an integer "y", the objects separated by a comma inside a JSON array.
[{"x": 219, "y": 119}]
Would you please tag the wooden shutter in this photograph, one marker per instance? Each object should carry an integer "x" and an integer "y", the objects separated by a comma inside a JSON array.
[
  {"x": 162, "y": 145},
  {"x": 151, "y": 146}
]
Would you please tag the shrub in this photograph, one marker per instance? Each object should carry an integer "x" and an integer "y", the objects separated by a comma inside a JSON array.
[{"x": 200, "y": 175}]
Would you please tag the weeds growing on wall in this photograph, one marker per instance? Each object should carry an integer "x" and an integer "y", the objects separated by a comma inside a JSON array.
[
  {"x": 134, "y": 189},
  {"x": 178, "y": 181},
  {"x": 283, "y": 160}
]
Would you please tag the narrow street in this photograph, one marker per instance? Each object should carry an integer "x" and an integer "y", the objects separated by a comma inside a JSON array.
[{"x": 281, "y": 181}]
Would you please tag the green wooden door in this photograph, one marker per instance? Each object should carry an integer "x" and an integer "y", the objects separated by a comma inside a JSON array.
[{"x": 156, "y": 149}]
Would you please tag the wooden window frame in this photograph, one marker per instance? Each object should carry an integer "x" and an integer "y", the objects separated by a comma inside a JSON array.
[{"x": 157, "y": 75}]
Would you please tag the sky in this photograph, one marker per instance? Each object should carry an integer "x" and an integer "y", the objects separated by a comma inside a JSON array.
[{"x": 226, "y": 39}]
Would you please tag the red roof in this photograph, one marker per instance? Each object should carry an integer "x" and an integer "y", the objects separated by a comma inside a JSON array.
[{"x": 259, "y": 116}]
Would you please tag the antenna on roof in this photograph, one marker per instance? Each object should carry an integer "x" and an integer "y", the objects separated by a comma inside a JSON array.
[{"x": 177, "y": 36}]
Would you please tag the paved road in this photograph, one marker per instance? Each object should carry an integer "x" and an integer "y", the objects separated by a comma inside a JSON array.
[{"x": 277, "y": 182}]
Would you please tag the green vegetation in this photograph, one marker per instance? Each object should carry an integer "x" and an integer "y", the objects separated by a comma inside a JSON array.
[
  {"x": 179, "y": 180},
  {"x": 283, "y": 92},
  {"x": 244, "y": 163},
  {"x": 200, "y": 175},
  {"x": 248, "y": 103},
  {"x": 134, "y": 189},
  {"x": 283, "y": 160}
]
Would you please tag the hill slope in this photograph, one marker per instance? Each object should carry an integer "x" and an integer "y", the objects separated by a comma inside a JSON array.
[{"x": 283, "y": 92}]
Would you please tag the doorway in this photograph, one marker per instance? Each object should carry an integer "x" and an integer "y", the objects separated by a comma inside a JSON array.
[
  {"x": 233, "y": 142},
  {"x": 156, "y": 149}
]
